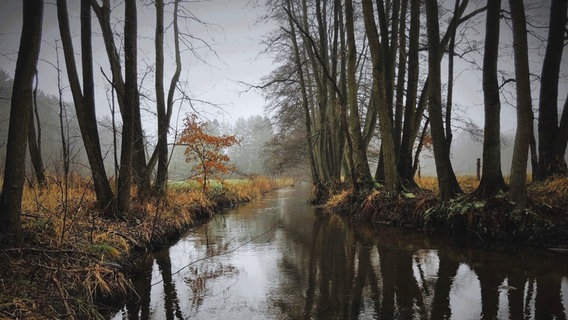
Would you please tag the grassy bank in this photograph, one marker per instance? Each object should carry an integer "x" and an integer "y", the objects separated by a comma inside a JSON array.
[
  {"x": 71, "y": 256},
  {"x": 544, "y": 223}
]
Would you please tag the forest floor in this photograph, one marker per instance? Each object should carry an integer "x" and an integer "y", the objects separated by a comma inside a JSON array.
[
  {"x": 544, "y": 223},
  {"x": 72, "y": 257}
]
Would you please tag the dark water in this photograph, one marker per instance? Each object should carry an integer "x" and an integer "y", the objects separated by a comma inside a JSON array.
[{"x": 278, "y": 258}]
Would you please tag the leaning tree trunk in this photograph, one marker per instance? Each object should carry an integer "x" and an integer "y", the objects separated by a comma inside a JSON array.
[
  {"x": 492, "y": 177},
  {"x": 524, "y": 112},
  {"x": 20, "y": 114}
]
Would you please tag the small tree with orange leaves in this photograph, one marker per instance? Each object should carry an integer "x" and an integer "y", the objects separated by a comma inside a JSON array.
[{"x": 205, "y": 150}]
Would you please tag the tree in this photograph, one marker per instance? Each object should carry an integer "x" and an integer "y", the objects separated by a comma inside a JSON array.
[
  {"x": 492, "y": 177},
  {"x": 85, "y": 101},
  {"x": 20, "y": 115},
  {"x": 551, "y": 161},
  {"x": 446, "y": 178},
  {"x": 206, "y": 150},
  {"x": 385, "y": 119},
  {"x": 141, "y": 172},
  {"x": 518, "y": 187},
  {"x": 131, "y": 100},
  {"x": 163, "y": 106},
  {"x": 361, "y": 173},
  {"x": 34, "y": 141}
]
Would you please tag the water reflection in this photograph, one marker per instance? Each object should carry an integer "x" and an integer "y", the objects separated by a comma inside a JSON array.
[{"x": 278, "y": 258}]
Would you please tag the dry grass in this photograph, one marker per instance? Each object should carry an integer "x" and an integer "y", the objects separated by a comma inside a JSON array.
[
  {"x": 467, "y": 183},
  {"x": 72, "y": 255},
  {"x": 552, "y": 192}
]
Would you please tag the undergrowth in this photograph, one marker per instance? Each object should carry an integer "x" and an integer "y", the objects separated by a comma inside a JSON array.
[
  {"x": 72, "y": 256},
  {"x": 543, "y": 222}
]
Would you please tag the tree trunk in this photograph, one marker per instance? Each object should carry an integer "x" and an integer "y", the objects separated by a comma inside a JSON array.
[
  {"x": 446, "y": 177},
  {"x": 20, "y": 115},
  {"x": 361, "y": 165},
  {"x": 130, "y": 101},
  {"x": 305, "y": 103},
  {"x": 524, "y": 112},
  {"x": 562, "y": 139},
  {"x": 162, "y": 145},
  {"x": 399, "y": 106},
  {"x": 412, "y": 123},
  {"x": 407, "y": 141},
  {"x": 449, "y": 98},
  {"x": 84, "y": 103},
  {"x": 34, "y": 142},
  {"x": 385, "y": 118},
  {"x": 492, "y": 177},
  {"x": 164, "y": 116},
  {"x": 549, "y": 163}
]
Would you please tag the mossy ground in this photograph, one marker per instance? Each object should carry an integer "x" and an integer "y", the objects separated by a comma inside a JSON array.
[{"x": 72, "y": 256}]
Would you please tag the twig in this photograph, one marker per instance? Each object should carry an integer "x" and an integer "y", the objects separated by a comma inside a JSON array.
[
  {"x": 58, "y": 251},
  {"x": 63, "y": 296}
]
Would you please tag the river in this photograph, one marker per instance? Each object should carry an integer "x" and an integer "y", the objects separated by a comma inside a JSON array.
[{"x": 280, "y": 258}]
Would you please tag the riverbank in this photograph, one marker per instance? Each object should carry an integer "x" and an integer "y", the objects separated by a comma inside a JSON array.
[
  {"x": 72, "y": 257},
  {"x": 543, "y": 224}
]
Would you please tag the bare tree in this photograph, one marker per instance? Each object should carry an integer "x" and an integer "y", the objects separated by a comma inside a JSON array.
[
  {"x": 524, "y": 110},
  {"x": 20, "y": 115},
  {"x": 447, "y": 182},
  {"x": 378, "y": 54},
  {"x": 85, "y": 101},
  {"x": 141, "y": 172},
  {"x": 164, "y": 107},
  {"x": 34, "y": 140},
  {"x": 492, "y": 177},
  {"x": 550, "y": 160},
  {"x": 131, "y": 100}
]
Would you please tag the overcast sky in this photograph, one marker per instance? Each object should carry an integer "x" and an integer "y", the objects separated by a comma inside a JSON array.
[
  {"x": 234, "y": 35},
  {"x": 229, "y": 27}
]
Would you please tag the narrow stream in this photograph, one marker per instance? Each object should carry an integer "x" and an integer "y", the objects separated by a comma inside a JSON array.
[{"x": 279, "y": 258}]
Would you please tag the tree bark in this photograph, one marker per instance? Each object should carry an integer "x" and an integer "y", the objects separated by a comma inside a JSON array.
[
  {"x": 20, "y": 115},
  {"x": 518, "y": 188},
  {"x": 492, "y": 177}
]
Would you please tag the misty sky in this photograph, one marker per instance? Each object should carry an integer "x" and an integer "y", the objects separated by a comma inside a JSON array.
[
  {"x": 229, "y": 27},
  {"x": 234, "y": 35}
]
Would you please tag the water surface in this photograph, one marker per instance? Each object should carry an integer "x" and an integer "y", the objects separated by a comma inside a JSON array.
[{"x": 279, "y": 258}]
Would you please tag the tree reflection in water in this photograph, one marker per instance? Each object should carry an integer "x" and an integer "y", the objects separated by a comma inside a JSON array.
[{"x": 316, "y": 266}]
